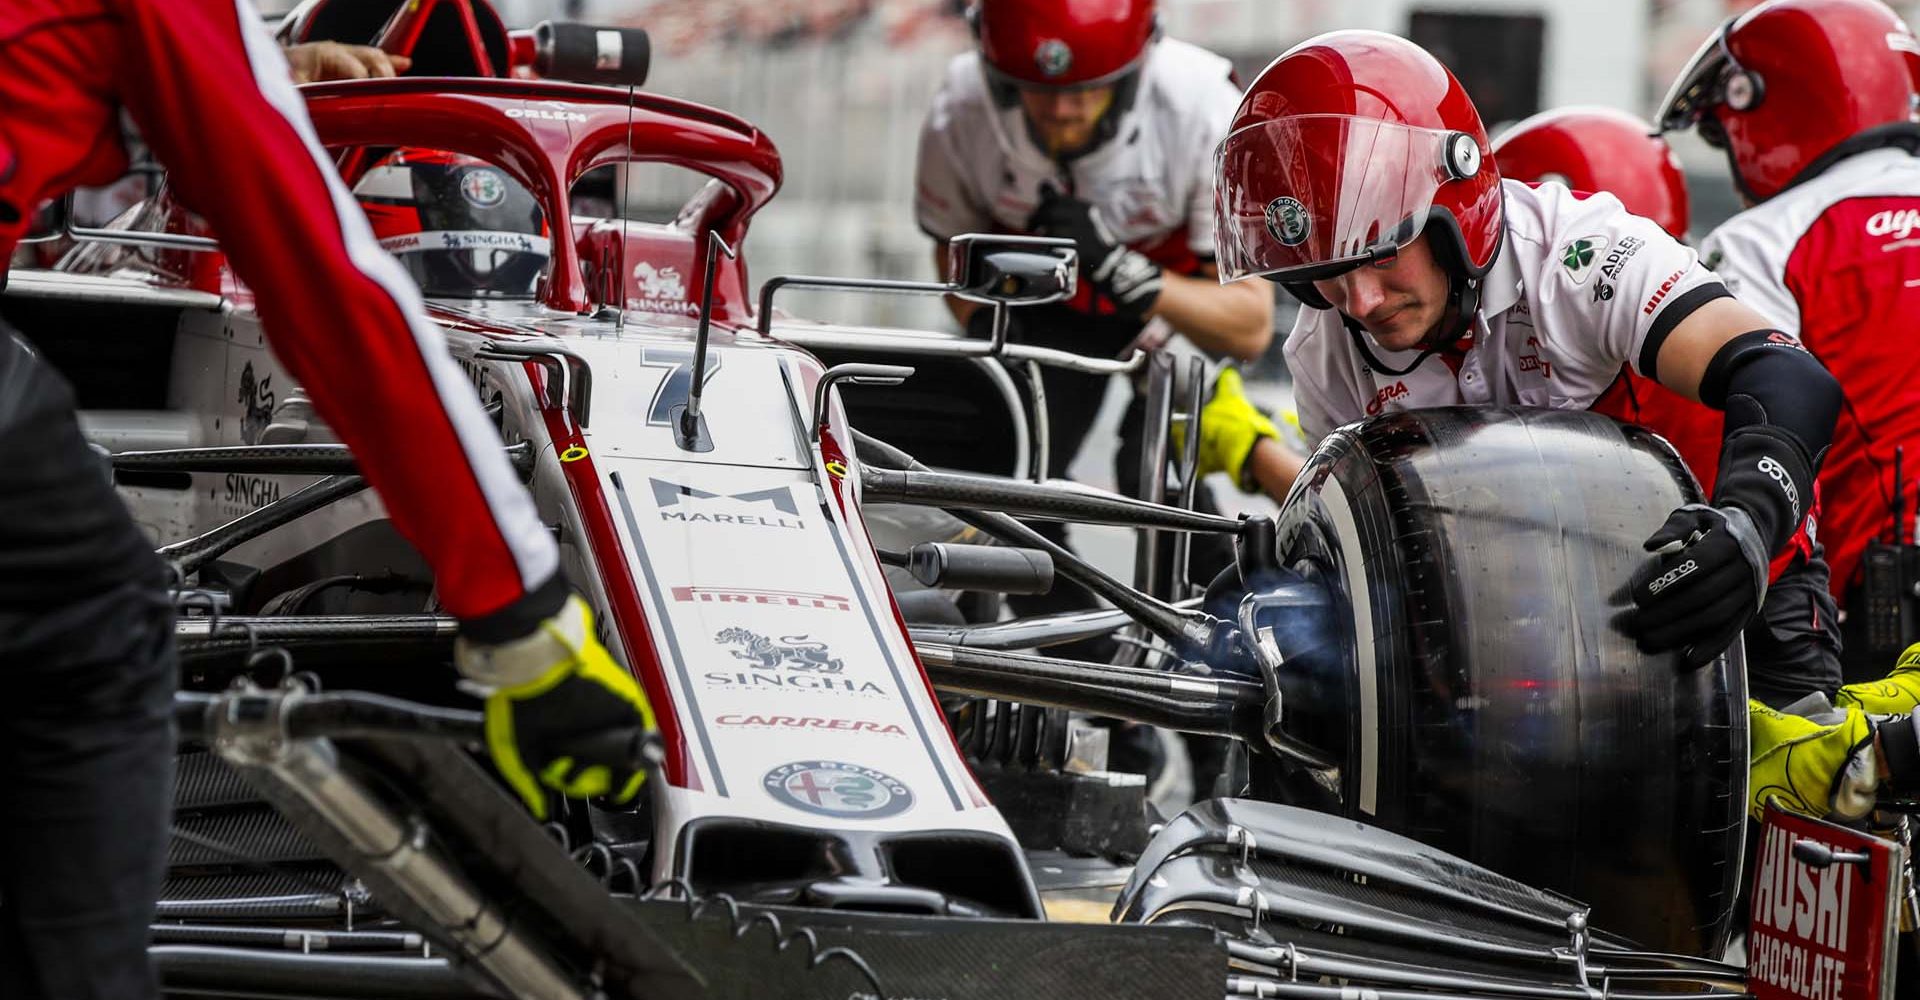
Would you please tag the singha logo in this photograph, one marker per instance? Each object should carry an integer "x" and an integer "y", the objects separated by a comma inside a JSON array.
[
  {"x": 257, "y": 397},
  {"x": 792, "y": 651},
  {"x": 661, "y": 283}
]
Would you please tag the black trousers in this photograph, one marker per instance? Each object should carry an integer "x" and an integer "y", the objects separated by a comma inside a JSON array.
[
  {"x": 1793, "y": 644},
  {"x": 87, "y": 674}
]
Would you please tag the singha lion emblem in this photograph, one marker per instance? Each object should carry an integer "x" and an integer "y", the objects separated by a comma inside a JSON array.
[
  {"x": 257, "y": 397},
  {"x": 661, "y": 283},
  {"x": 794, "y": 651}
]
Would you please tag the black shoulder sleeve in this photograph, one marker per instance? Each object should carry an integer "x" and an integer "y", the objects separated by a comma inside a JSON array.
[{"x": 1781, "y": 405}]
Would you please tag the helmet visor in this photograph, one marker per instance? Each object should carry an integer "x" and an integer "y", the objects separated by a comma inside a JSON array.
[
  {"x": 1699, "y": 86},
  {"x": 1309, "y": 196}
]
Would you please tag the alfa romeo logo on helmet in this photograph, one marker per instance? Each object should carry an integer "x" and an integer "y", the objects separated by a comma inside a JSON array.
[
  {"x": 484, "y": 187},
  {"x": 1288, "y": 221},
  {"x": 1053, "y": 57}
]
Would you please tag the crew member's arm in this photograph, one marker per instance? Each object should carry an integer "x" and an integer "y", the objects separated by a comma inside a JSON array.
[
  {"x": 944, "y": 203},
  {"x": 1234, "y": 320},
  {"x": 1780, "y": 409},
  {"x": 348, "y": 322},
  {"x": 962, "y": 309},
  {"x": 1273, "y": 467},
  {"x": 318, "y": 62}
]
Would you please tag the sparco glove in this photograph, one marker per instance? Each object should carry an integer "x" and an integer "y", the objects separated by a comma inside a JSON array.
[
  {"x": 1230, "y": 427},
  {"x": 1124, "y": 277},
  {"x": 1709, "y": 574},
  {"x": 560, "y": 712},
  {"x": 1707, "y": 578}
]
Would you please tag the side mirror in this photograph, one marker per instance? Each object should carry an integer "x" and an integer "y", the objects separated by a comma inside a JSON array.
[{"x": 1011, "y": 270}]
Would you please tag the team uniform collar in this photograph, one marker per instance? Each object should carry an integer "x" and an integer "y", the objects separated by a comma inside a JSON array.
[{"x": 1503, "y": 286}]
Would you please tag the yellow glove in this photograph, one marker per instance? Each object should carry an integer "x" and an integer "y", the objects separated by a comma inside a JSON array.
[
  {"x": 1812, "y": 768},
  {"x": 1230, "y": 425},
  {"x": 560, "y": 712},
  {"x": 1898, "y": 694}
]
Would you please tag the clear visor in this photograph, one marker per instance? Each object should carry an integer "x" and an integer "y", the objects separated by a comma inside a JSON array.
[
  {"x": 1699, "y": 86},
  {"x": 1310, "y": 196}
]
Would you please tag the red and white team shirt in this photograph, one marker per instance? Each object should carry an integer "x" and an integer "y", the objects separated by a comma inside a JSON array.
[
  {"x": 1835, "y": 260},
  {"x": 1581, "y": 289},
  {"x": 979, "y": 169}
]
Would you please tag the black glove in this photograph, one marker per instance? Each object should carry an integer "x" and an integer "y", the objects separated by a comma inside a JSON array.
[
  {"x": 1125, "y": 277},
  {"x": 1711, "y": 574},
  {"x": 1706, "y": 582}
]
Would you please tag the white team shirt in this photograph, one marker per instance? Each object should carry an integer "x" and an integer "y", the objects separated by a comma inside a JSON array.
[
  {"x": 1580, "y": 289},
  {"x": 980, "y": 171}
]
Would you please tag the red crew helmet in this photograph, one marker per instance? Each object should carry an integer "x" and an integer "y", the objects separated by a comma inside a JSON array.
[
  {"x": 1344, "y": 150},
  {"x": 1063, "y": 43},
  {"x": 1599, "y": 149},
  {"x": 1791, "y": 86}
]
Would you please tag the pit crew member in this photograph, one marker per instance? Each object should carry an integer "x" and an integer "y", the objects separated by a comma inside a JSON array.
[
  {"x": 1430, "y": 279},
  {"x": 1813, "y": 103},
  {"x": 1357, "y": 174},
  {"x": 86, "y": 736},
  {"x": 1793, "y": 645},
  {"x": 1074, "y": 118}
]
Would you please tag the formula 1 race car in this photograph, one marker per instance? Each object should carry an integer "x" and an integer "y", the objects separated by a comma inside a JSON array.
[{"x": 1460, "y": 779}]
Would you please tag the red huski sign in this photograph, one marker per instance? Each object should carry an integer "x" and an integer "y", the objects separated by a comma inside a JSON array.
[{"x": 1822, "y": 933}]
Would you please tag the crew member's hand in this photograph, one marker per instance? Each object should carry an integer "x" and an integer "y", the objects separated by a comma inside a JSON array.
[
  {"x": 560, "y": 712},
  {"x": 1706, "y": 580},
  {"x": 1125, "y": 277},
  {"x": 1230, "y": 426},
  {"x": 1829, "y": 766},
  {"x": 319, "y": 62}
]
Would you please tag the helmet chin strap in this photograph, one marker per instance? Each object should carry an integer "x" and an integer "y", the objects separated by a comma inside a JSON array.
[{"x": 1463, "y": 304}]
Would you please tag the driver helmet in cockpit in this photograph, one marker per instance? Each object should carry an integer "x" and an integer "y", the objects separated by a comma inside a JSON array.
[{"x": 462, "y": 227}]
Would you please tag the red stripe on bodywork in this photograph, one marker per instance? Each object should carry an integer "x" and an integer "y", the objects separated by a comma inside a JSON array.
[{"x": 623, "y": 593}]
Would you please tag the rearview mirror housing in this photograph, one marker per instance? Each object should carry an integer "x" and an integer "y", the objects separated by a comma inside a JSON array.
[{"x": 1011, "y": 270}]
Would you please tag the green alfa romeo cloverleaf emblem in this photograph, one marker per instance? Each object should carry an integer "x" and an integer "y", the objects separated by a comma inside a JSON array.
[{"x": 1579, "y": 256}]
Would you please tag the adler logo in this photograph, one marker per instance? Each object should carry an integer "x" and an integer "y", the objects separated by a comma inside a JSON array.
[
  {"x": 1387, "y": 394},
  {"x": 1895, "y": 223},
  {"x": 1778, "y": 473},
  {"x": 1672, "y": 576}
]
